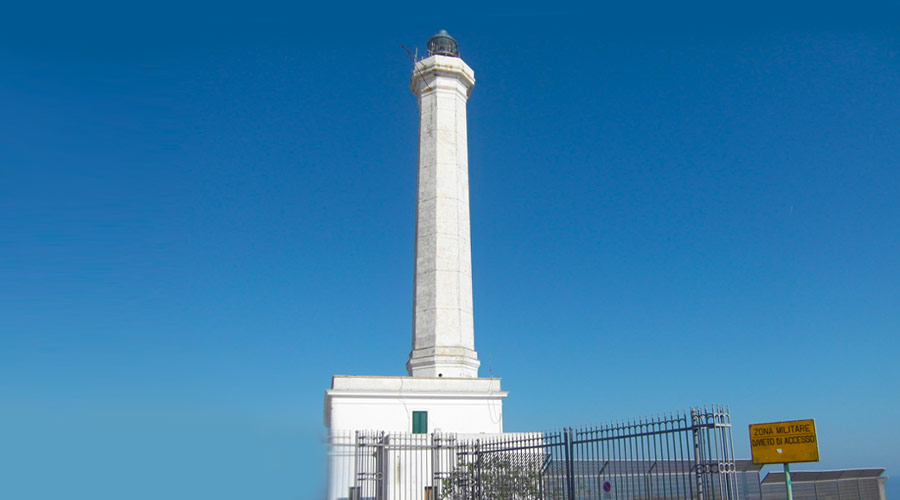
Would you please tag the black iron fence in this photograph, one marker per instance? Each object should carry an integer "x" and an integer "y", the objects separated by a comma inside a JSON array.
[{"x": 686, "y": 455}]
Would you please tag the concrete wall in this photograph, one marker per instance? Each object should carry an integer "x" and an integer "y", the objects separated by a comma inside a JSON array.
[{"x": 462, "y": 405}]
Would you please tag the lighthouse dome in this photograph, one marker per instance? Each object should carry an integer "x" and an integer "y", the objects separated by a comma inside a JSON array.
[{"x": 443, "y": 44}]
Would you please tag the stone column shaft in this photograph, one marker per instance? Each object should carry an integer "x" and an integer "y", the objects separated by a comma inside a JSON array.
[{"x": 443, "y": 329}]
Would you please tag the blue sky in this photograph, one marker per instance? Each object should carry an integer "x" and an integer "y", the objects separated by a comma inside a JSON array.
[{"x": 206, "y": 211}]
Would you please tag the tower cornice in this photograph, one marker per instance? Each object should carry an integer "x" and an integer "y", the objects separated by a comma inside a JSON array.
[{"x": 442, "y": 72}]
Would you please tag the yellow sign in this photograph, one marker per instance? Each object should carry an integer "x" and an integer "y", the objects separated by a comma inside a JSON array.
[{"x": 784, "y": 442}]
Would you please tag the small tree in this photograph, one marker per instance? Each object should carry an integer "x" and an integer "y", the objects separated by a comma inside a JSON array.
[{"x": 502, "y": 475}]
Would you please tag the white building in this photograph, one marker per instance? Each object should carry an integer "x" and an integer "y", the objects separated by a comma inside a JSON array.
[{"x": 443, "y": 391}]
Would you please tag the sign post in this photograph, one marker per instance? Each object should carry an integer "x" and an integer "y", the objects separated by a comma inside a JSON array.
[
  {"x": 787, "y": 481},
  {"x": 784, "y": 443}
]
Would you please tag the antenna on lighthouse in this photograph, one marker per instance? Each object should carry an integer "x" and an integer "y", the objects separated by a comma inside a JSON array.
[{"x": 415, "y": 59}]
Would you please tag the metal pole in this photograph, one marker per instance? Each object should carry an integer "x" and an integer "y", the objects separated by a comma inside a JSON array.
[
  {"x": 436, "y": 444},
  {"x": 480, "y": 487},
  {"x": 570, "y": 472},
  {"x": 787, "y": 481},
  {"x": 695, "y": 430}
]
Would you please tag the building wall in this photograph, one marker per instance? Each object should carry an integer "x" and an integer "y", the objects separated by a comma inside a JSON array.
[
  {"x": 464, "y": 406},
  {"x": 467, "y": 406},
  {"x": 748, "y": 487},
  {"x": 843, "y": 489},
  {"x": 393, "y": 414}
]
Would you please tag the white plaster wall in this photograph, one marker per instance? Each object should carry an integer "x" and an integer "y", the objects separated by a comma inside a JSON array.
[
  {"x": 465, "y": 406},
  {"x": 394, "y": 414},
  {"x": 386, "y": 404},
  {"x": 341, "y": 465}
]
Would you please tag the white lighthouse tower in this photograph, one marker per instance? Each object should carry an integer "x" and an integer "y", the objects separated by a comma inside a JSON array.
[
  {"x": 443, "y": 391},
  {"x": 443, "y": 328}
]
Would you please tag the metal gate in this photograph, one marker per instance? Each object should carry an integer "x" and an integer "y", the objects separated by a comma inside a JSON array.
[{"x": 686, "y": 455}]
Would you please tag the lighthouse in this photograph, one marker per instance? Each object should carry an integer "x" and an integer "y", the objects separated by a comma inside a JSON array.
[
  {"x": 443, "y": 391},
  {"x": 443, "y": 328}
]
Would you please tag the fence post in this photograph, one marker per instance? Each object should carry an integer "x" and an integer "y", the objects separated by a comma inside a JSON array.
[
  {"x": 570, "y": 467},
  {"x": 479, "y": 490},
  {"x": 381, "y": 454},
  {"x": 436, "y": 443},
  {"x": 695, "y": 430},
  {"x": 541, "y": 485}
]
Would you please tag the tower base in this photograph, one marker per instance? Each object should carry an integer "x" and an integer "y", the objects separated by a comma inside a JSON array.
[
  {"x": 443, "y": 362},
  {"x": 462, "y": 405}
]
